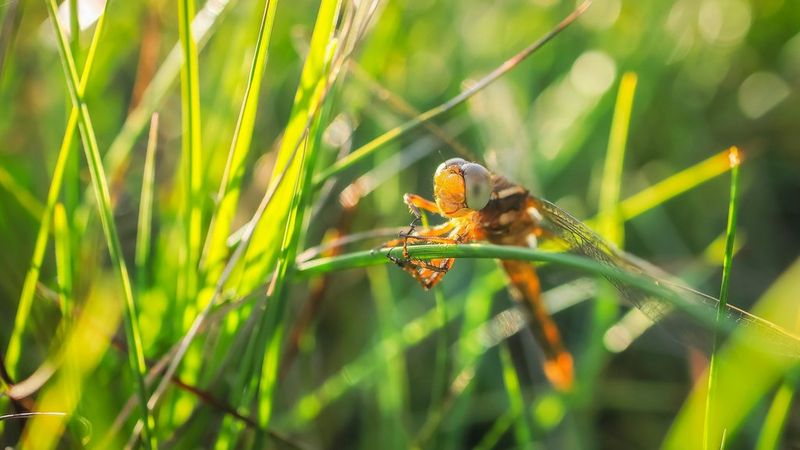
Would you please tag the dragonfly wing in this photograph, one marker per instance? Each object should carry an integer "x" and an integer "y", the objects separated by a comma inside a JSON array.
[{"x": 580, "y": 239}]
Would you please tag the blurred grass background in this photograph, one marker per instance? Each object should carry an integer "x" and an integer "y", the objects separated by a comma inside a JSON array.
[{"x": 365, "y": 358}]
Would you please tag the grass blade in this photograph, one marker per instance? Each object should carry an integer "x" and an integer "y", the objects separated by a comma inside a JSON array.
[
  {"x": 776, "y": 418},
  {"x": 204, "y": 24},
  {"x": 216, "y": 249},
  {"x": 61, "y": 238},
  {"x": 32, "y": 275},
  {"x": 192, "y": 158},
  {"x": 136, "y": 354},
  {"x": 674, "y": 185},
  {"x": 735, "y": 397},
  {"x": 711, "y": 438},
  {"x": 612, "y": 226},
  {"x": 144, "y": 224},
  {"x": 375, "y": 144}
]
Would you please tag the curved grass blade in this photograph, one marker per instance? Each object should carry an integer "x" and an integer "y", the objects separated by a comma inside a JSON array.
[
  {"x": 136, "y": 354},
  {"x": 632, "y": 273}
]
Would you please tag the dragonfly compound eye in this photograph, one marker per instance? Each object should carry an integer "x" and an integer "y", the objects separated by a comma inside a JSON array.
[
  {"x": 477, "y": 184},
  {"x": 450, "y": 162}
]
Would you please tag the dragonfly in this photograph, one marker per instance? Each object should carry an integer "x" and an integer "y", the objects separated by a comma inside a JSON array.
[{"x": 481, "y": 206}]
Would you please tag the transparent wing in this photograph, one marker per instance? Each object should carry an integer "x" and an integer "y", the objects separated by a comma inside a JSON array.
[{"x": 580, "y": 239}]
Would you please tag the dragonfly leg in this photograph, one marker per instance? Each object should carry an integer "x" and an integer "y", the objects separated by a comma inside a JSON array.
[
  {"x": 427, "y": 273},
  {"x": 416, "y": 203},
  {"x": 526, "y": 290}
]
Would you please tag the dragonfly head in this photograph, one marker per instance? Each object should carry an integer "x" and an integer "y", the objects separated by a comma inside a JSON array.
[{"x": 461, "y": 187}]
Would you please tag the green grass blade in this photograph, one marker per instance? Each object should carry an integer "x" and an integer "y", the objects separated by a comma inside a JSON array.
[
  {"x": 144, "y": 224},
  {"x": 776, "y": 418},
  {"x": 216, "y": 249},
  {"x": 40, "y": 245},
  {"x": 61, "y": 238},
  {"x": 205, "y": 23},
  {"x": 191, "y": 153},
  {"x": 610, "y": 223},
  {"x": 674, "y": 185},
  {"x": 266, "y": 239},
  {"x": 516, "y": 404},
  {"x": 496, "y": 432},
  {"x": 580, "y": 263},
  {"x": 274, "y": 320},
  {"x": 712, "y": 438},
  {"x": 135, "y": 352},
  {"x": 377, "y": 143},
  {"x": 737, "y": 397}
]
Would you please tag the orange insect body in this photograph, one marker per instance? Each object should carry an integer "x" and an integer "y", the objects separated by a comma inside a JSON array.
[{"x": 485, "y": 207}]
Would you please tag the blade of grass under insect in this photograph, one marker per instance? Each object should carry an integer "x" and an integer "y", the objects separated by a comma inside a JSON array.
[
  {"x": 477, "y": 310},
  {"x": 644, "y": 283},
  {"x": 191, "y": 153},
  {"x": 755, "y": 371},
  {"x": 61, "y": 239},
  {"x": 711, "y": 438},
  {"x": 216, "y": 250},
  {"x": 369, "y": 148},
  {"x": 135, "y": 352},
  {"x": 770, "y": 435},
  {"x": 40, "y": 245},
  {"x": 145, "y": 223},
  {"x": 23, "y": 197}
]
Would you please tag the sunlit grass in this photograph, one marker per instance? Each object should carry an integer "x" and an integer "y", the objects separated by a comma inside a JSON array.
[
  {"x": 100, "y": 187},
  {"x": 280, "y": 104},
  {"x": 710, "y": 439}
]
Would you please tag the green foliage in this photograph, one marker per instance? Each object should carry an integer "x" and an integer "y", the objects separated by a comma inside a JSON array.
[{"x": 276, "y": 127}]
